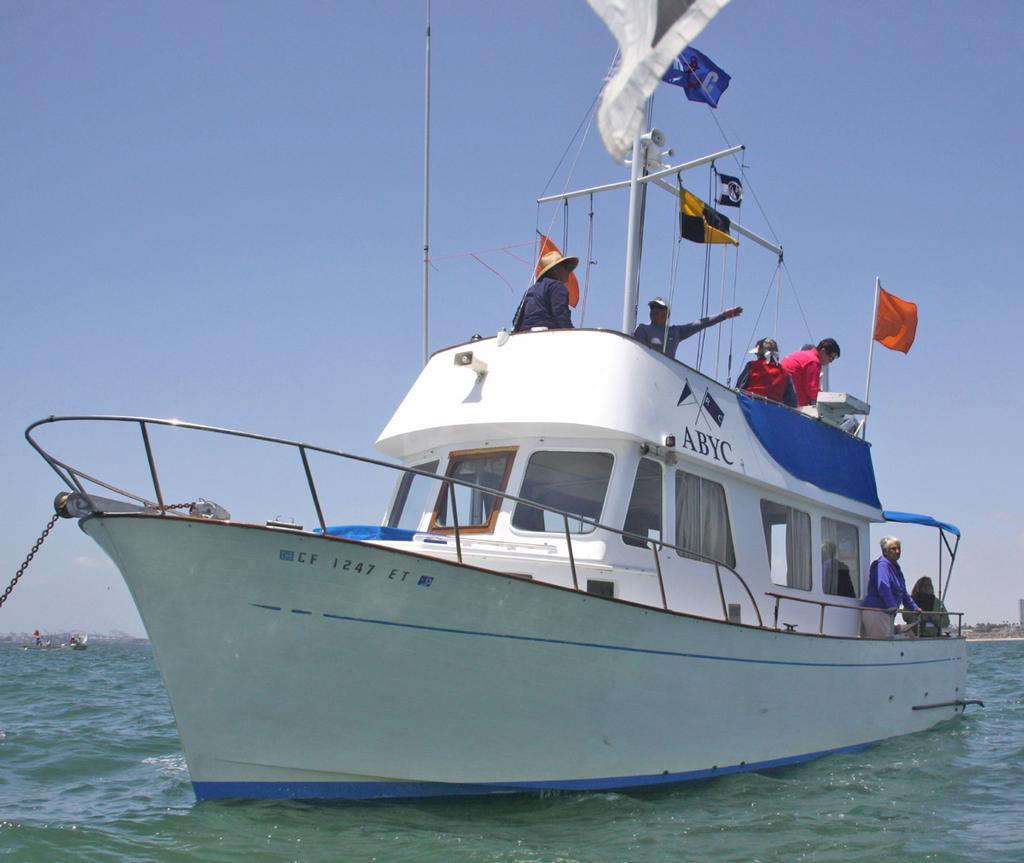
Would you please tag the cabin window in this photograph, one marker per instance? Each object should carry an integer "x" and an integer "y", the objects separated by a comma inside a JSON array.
[
  {"x": 702, "y": 519},
  {"x": 416, "y": 490},
  {"x": 787, "y": 534},
  {"x": 601, "y": 588},
  {"x": 575, "y": 482},
  {"x": 475, "y": 510},
  {"x": 840, "y": 558},
  {"x": 643, "y": 518}
]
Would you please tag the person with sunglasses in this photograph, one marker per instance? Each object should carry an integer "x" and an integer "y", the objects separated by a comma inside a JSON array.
[{"x": 804, "y": 369}]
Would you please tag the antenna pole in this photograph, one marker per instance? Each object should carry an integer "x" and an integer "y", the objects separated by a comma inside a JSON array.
[
  {"x": 426, "y": 196},
  {"x": 871, "y": 353}
]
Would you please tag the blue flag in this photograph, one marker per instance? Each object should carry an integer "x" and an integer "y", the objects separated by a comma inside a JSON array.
[{"x": 702, "y": 80}]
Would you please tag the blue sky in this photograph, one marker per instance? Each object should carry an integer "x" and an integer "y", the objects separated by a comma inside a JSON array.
[{"x": 213, "y": 211}]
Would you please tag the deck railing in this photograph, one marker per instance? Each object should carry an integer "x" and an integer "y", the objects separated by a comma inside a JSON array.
[
  {"x": 823, "y": 604},
  {"x": 75, "y": 479}
]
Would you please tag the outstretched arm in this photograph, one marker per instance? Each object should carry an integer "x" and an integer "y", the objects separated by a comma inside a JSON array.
[{"x": 684, "y": 331}]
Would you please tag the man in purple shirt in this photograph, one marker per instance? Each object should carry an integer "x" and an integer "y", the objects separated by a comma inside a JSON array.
[{"x": 887, "y": 589}]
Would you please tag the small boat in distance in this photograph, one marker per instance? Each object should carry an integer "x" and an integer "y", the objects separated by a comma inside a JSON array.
[
  {"x": 38, "y": 642},
  {"x": 78, "y": 641}
]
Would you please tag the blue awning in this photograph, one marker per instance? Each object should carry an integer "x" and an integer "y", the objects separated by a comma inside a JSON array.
[
  {"x": 812, "y": 451},
  {"x": 914, "y": 518},
  {"x": 368, "y": 532}
]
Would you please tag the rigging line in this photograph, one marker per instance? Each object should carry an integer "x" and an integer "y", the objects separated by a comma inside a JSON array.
[
  {"x": 482, "y": 252},
  {"x": 481, "y": 261},
  {"x": 732, "y": 323},
  {"x": 590, "y": 261},
  {"x": 796, "y": 297},
  {"x": 705, "y": 305},
  {"x": 568, "y": 179},
  {"x": 677, "y": 224},
  {"x": 764, "y": 302},
  {"x": 677, "y": 233},
  {"x": 746, "y": 179},
  {"x": 516, "y": 257},
  {"x": 588, "y": 119}
]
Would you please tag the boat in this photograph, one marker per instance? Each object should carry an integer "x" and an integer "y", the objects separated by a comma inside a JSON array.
[
  {"x": 78, "y": 641},
  {"x": 573, "y": 587},
  {"x": 38, "y": 645}
]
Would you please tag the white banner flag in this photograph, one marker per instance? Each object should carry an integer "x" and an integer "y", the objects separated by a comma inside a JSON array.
[{"x": 651, "y": 33}]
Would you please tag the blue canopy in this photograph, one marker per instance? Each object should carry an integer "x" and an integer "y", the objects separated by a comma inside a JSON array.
[
  {"x": 368, "y": 531},
  {"x": 914, "y": 518},
  {"x": 812, "y": 451}
]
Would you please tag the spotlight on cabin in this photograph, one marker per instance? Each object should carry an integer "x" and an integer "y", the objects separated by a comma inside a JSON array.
[{"x": 670, "y": 440}]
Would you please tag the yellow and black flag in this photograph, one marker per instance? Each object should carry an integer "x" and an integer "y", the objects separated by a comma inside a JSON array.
[{"x": 701, "y": 223}]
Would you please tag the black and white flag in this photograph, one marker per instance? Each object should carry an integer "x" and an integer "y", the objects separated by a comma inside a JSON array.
[{"x": 730, "y": 190}]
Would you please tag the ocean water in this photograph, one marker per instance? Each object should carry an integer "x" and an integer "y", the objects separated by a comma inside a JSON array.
[{"x": 91, "y": 770}]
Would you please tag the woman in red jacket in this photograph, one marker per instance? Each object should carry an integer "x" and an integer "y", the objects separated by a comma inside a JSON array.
[{"x": 764, "y": 376}]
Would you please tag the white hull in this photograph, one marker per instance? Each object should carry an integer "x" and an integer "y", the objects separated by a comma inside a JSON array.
[{"x": 306, "y": 677}]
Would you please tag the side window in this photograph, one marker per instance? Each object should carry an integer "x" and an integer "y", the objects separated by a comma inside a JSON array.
[
  {"x": 840, "y": 558},
  {"x": 575, "y": 482},
  {"x": 787, "y": 534},
  {"x": 644, "y": 514},
  {"x": 702, "y": 518},
  {"x": 476, "y": 510},
  {"x": 412, "y": 497}
]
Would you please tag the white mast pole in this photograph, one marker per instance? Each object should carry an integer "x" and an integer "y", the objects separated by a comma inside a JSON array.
[
  {"x": 871, "y": 353},
  {"x": 426, "y": 196},
  {"x": 632, "y": 290}
]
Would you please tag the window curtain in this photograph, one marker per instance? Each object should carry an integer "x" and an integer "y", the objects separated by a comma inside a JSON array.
[
  {"x": 798, "y": 548},
  {"x": 716, "y": 535},
  {"x": 702, "y": 518}
]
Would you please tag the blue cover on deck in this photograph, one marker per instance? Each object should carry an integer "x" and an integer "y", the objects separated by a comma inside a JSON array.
[
  {"x": 812, "y": 451},
  {"x": 369, "y": 531},
  {"x": 914, "y": 518}
]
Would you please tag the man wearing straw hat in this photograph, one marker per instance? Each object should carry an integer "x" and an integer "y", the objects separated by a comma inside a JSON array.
[{"x": 546, "y": 303}]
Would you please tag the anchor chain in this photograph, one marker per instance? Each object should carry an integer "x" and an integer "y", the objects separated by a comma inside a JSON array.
[{"x": 28, "y": 560}]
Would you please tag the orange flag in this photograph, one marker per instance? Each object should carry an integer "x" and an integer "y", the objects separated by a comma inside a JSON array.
[
  {"x": 572, "y": 285},
  {"x": 896, "y": 324}
]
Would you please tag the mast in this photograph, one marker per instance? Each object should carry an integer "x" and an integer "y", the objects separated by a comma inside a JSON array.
[
  {"x": 637, "y": 171},
  {"x": 426, "y": 196},
  {"x": 631, "y": 295}
]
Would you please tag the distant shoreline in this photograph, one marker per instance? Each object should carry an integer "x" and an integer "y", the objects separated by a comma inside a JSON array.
[{"x": 996, "y": 638}]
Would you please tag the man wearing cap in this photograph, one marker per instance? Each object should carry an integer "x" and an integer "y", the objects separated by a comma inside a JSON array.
[
  {"x": 804, "y": 368},
  {"x": 764, "y": 376},
  {"x": 666, "y": 339},
  {"x": 546, "y": 303}
]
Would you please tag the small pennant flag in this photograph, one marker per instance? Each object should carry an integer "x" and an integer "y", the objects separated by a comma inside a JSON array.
[
  {"x": 572, "y": 285},
  {"x": 701, "y": 223},
  {"x": 700, "y": 78},
  {"x": 896, "y": 323},
  {"x": 714, "y": 411},
  {"x": 687, "y": 393},
  {"x": 730, "y": 190}
]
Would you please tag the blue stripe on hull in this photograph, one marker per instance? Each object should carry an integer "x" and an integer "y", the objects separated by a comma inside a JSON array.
[
  {"x": 617, "y": 647},
  {"x": 386, "y": 790}
]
